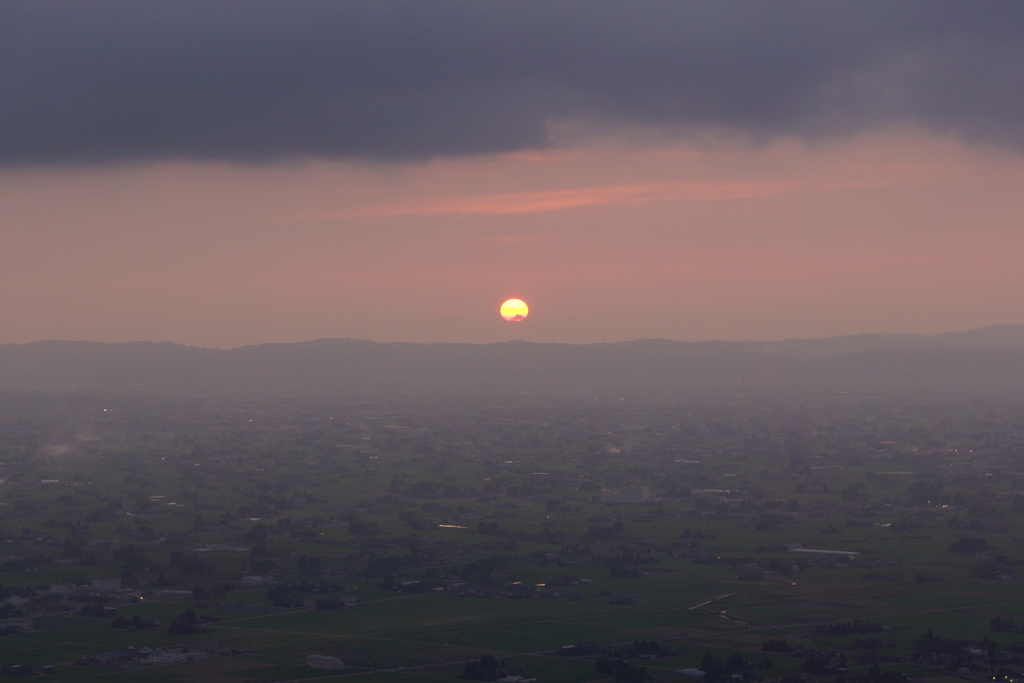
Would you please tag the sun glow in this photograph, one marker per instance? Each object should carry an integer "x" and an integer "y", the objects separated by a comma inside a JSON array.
[{"x": 514, "y": 310}]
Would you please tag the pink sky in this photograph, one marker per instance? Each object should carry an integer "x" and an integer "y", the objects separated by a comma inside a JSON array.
[{"x": 618, "y": 239}]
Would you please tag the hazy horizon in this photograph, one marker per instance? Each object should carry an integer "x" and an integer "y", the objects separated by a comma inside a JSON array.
[
  {"x": 988, "y": 328},
  {"x": 219, "y": 174}
]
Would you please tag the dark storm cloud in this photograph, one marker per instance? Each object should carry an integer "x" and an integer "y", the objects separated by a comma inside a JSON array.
[{"x": 96, "y": 81}]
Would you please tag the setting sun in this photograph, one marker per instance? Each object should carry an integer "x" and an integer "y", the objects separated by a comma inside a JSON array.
[{"x": 514, "y": 310}]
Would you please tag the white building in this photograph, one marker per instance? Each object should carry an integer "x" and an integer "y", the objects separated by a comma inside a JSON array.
[
  {"x": 324, "y": 662},
  {"x": 256, "y": 581}
]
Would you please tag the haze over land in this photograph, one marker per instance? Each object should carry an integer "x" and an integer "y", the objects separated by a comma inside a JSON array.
[
  {"x": 223, "y": 174},
  {"x": 990, "y": 359},
  {"x": 808, "y": 511}
]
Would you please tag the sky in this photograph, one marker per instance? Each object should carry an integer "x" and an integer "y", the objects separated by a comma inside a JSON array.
[{"x": 223, "y": 173}]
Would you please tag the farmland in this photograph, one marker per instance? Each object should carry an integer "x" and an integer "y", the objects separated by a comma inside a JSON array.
[{"x": 831, "y": 537}]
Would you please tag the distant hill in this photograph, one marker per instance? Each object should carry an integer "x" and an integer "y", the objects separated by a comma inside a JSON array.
[
  {"x": 982, "y": 359},
  {"x": 996, "y": 336}
]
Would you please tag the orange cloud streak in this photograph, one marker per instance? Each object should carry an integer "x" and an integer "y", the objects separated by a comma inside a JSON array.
[{"x": 561, "y": 200}]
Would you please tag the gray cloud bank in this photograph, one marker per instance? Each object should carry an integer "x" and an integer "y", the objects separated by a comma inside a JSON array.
[{"x": 102, "y": 81}]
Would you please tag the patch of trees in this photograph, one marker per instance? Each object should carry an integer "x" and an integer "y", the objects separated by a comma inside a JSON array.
[
  {"x": 8, "y": 610},
  {"x": 190, "y": 564},
  {"x": 425, "y": 489},
  {"x": 487, "y": 668},
  {"x": 20, "y": 591},
  {"x": 133, "y": 560},
  {"x": 623, "y": 671},
  {"x": 776, "y": 645},
  {"x": 644, "y": 649},
  {"x": 187, "y": 623},
  {"x": 996, "y": 567},
  {"x": 135, "y": 623},
  {"x": 622, "y": 568},
  {"x": 716, "y": 669},
  {"x": 482, "y": 570},
  {"x": 818, "y": 663},
  {"x": 929, "y": 642},
  {"x": 257, "y": 534},
  {"x": 1006, "y": 625},
  {"x": 283, "y": 596},
  {"x": 776, "y": 564}
]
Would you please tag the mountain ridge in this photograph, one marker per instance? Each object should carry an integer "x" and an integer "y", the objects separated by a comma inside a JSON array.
[{"x": 989, "y": 357}]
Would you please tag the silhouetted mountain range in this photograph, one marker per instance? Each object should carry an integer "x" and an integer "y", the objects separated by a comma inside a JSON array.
[{"x": 986, "y": 358}]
